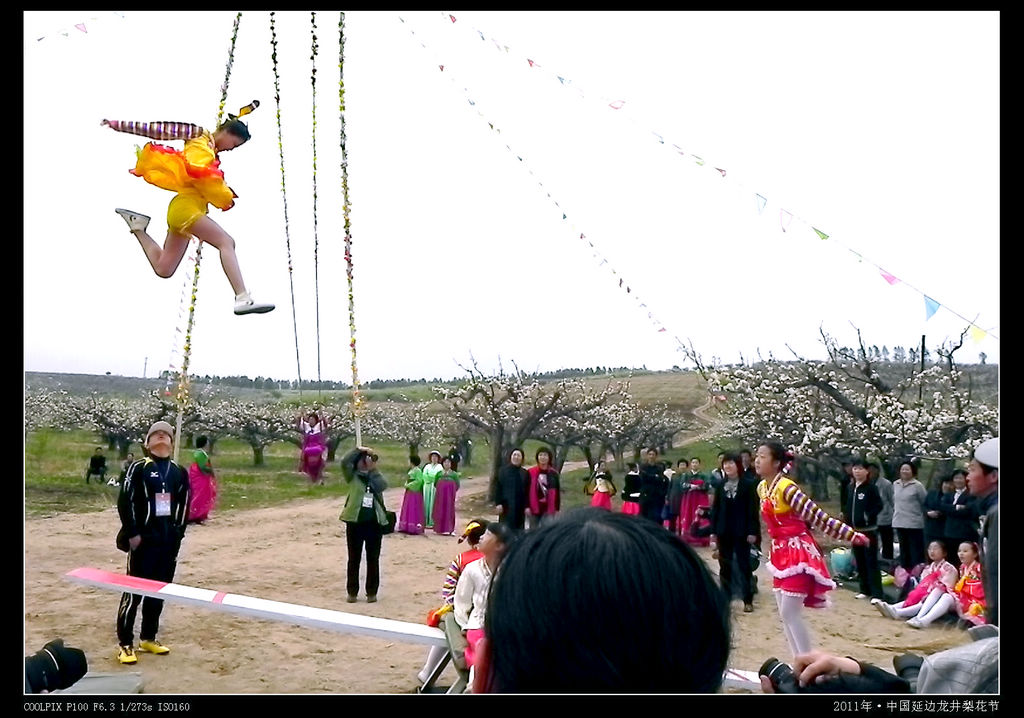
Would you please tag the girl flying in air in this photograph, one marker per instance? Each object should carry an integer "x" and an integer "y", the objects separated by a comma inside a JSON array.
[{"x": 194, "y": 175}]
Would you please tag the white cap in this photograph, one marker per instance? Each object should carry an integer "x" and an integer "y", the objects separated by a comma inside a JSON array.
[{"x": 988, "y": 453}]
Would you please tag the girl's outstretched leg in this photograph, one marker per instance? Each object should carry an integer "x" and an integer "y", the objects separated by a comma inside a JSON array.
[
  {"x": 164, "y": 260},
  {"x": 210, "y": 232}
]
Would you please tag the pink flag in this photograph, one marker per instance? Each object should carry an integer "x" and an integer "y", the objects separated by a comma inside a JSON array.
[
  {"x": 452, "y": 17},
  {"x": 617, "y": 105},
  {"x": 888, "y": 277},
  {"x": 81, "y": 26}
]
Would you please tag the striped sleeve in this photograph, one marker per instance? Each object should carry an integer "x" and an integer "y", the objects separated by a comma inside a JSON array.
[
  {"x": 126, "y": 500},
  {"x": 451, "y": 580},
  {"x": 181, "y": 511},
  {"x": 809, "y": 511},
  {"x": 158, "y": 130}
]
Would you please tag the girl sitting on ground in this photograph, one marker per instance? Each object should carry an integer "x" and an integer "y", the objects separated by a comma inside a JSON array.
[
  {"x": 969, "y": 589},
  {"x": 932, "y": 598}
]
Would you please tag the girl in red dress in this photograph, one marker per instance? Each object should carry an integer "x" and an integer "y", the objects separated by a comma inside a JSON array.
[
  {"x": 801, "y": 577},
  {"x": 969, "y": 590}
]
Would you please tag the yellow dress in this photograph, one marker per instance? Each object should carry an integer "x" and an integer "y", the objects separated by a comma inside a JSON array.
[{"x": 193, "y": 173}]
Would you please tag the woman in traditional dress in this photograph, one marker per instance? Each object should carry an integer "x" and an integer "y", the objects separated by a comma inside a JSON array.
[
  {"x": 430, "y": 473},
  {"x": 801, "y": 577},
  {"x": 444, "y": 499},
  {"x": 932, "y": 597},
  {"x": 410, "y": 518},
  {"x": 314, "y": 447},
  {"x": 202, "y": 484},
  {"x": 970, "y": 589},
  {"x": 194, "y": 174},
  {"x": 695, "y": 497},
  {"x": 601, "y": 488},
  {"x": 631, "y": 491}
]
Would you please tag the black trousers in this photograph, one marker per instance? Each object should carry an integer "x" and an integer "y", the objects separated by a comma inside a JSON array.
[
  {"x": 911, "y": 547},
  {"x": 150, "y": 560},
  {"x": 866, "y": 558},
  {"x": 885, "y": 535},
  {"x": 735, "y": 549},
  {"x": 358, "y": 535}
]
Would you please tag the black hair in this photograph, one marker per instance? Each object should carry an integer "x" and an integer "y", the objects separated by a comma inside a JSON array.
[
  {"x": 503, "y": 531},
  {"x": 544, "y": 450},
  {"x": 858, "y": 461},
  {"x": 236, "y": 127},
  {"x": 631, "y": 465},
  {"x": 735, "y": 458},
  {"x": 779, "y": 453},
  {"x": 684, "y": 460},
  {"x": 414, "y": 459},
  {"x": 557, "y": 578},
  {"x": 474, "y": 535},
  {"x": 201, "y": 441},
  {"x": 911, "y": 463}
]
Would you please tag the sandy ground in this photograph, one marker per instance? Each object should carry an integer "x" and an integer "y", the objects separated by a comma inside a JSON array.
[{"x": 296, "y": 554}]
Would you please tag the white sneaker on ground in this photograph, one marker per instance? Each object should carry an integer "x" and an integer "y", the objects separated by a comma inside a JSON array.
[
  {"x": 136, "y": 221},
  {"x": 244, "y": 304},
  {"x": 882, "y": 607},
  {"x": 860, "y": 596},
  {"x": 914, "y": 623}
]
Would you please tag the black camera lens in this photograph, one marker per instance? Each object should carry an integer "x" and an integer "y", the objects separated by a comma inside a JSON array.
[{"x": 781, "y": 676}]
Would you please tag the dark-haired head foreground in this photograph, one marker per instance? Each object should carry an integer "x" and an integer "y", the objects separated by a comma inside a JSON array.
[{"x": 602, "y": 602}]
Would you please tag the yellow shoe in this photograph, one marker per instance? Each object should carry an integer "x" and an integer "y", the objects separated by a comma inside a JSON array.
[
  {"x": 126, "y": 655},
  {"x": 154, "y": 646}
]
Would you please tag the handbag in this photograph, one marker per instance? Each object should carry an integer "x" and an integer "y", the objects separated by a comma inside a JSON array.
[{"x": 389, "y": 527}]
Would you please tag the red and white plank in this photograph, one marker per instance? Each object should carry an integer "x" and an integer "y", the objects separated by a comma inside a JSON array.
[{"x": 298, "y": 614}]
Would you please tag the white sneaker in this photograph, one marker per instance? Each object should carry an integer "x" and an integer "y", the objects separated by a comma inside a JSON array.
[
  {"x": 882, "y": 608},
  {"x": 135, "y": 220},
  {"x": 914, "y": 623},
  {"x": 244, "y": 304},
  {"x": 860, "y": 596}
]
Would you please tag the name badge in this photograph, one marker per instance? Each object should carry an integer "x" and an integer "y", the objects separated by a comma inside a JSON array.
[
  {"x": 163, "y": 504},
  {"x": 367, "y": 500}
]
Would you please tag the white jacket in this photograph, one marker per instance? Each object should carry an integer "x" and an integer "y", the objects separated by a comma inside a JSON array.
[{"x": 471, "y": 595}]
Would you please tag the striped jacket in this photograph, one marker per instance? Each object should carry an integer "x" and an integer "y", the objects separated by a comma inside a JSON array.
[{"x": 137, "y": 503}]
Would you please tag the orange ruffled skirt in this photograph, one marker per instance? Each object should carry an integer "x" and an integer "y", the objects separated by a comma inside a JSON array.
[{"x": 196, "y": 187}]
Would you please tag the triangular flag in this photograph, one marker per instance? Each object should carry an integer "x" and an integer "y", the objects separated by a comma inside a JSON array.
[
  {"x": 481, "y": 36},
  {"x": 660, "y": 138},
  {"x": 820, "y": 233},
  {"x": 679, "y": 149},
  {"x": 442, "y": 67},
  {"x": 561, "y": 79},
  {"x": 930, "y": 307},
  {"x": 785, "y": 218},
  {"x": 977, "y": 334},
  {"x": 620, "y": 282},
  {"x": 452, "y": 17},
  {"x": 720, "y": 170},
  {"x": 617, "y": 105},
  {"x": 81, "y": 26},
  {"x": 530, "y": 61},
  {"x": 628, "y": 290},
  {"x": 761, "y": 202},
  {"x": 662, "y": 329},
  {"x": 888, "y": 277},
  {"x": 698, "y": 160}
]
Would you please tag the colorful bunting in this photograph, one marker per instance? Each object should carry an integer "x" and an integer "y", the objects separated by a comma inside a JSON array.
[
  {"x": 930, "y": 307},
  {"x": 785, "y": 218},
  {"x": 820, "y": 234},
  {"x": 761, "y": 202},
  {"x": 977, "y": 334},
  {"x": 617, "y": 104},
  {"x": 888, "y": 277}
]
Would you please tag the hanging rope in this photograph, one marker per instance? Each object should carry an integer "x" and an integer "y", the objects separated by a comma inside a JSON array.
[
  {"x": 284, "y": 195},
  {"x": 183, "y": 381},
  {"x": 356, "y": 398},
  {"x": 316, "y": 244}
]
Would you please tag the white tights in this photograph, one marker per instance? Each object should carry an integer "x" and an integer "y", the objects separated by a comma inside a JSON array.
[
  {"x": 791, "y": 613},
  {"x": 433, "y": 659},
  {"x": 935, "y": 605}
]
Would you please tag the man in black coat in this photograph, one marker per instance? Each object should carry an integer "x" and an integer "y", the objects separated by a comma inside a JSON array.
[
  {"x": 735, "y": 527},
  {"x": 864, "y": 505},
  {"x": 510, "y": 496},
  {"x": 653, "y": 487},
  {"x": 961, "y": 516}
]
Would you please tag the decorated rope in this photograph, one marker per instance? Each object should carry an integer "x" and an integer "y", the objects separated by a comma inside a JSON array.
[
  {"x": 357, "y": 401},
  {"x": 284, "y": 195},
  {"x": 183, "y": 381},
  {"x": 316, "y": 243}
]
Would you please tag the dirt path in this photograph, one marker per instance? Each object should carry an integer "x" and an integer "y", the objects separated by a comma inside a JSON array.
[{"x": 296, "y": 553}]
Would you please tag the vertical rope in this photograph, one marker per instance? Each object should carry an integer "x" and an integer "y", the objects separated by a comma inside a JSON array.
[
  {"x": 316, "y": 243},
  {"x": 356, "y": 398},
  {"x": 183, "y": 381},
  {"x": 284, "y": 195}
]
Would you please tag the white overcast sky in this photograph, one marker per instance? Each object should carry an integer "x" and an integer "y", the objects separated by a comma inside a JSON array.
[{"x": 879, "y": 128}]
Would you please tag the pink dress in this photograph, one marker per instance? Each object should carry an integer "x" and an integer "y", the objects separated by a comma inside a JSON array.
[
  {"x": 202, "y": 488},
  {"x": 939, "y": 574},
  {"x": 693, "y": 500},
  {"x": 796, "y": 563}
]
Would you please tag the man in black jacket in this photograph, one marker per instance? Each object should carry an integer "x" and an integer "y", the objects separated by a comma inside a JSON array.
[
  {"x": 510, "y": 493},
  {"x": 653, "y": 487},
  {"x": 153, "y": 506},
  {"x": 961, "y": 516},
  {"x": 861, "y": 513},
  {"x": 735, "y": 527}
]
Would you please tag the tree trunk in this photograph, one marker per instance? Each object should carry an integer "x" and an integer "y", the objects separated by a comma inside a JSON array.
[
  {"x": 332, "y": 448},
  {"x": 589, "y": 456},
  {"x": 498, "y": 452},
  {"x": 414, "y": 448},
  {"x": 466, "y": 448},
  {"x": 123, "y": 445},
  {"x": 257, "y": 455},
  {"x": 111, "y": 443}
]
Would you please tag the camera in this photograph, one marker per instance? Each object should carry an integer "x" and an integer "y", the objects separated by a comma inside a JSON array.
[
  {"x": 785, "y": 681},
  {"x": 54, "y": 667},
  {"x": 908, "y": 666}
]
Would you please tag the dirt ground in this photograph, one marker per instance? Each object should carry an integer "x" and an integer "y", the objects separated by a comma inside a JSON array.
[{"x": 296, "y": 554}]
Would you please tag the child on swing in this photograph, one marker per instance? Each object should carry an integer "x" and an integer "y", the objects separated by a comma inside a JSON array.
[{"x": 194, "y": 174}]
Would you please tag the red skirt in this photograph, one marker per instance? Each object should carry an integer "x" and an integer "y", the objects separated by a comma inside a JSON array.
[
  {"x": 631, "y": 507},
  {"x": 798, "y": 569},
  {"x": 601, "y": 500}
]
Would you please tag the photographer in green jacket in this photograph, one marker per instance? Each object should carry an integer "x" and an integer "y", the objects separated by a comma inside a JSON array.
[{"x": 365, "y": 518}]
